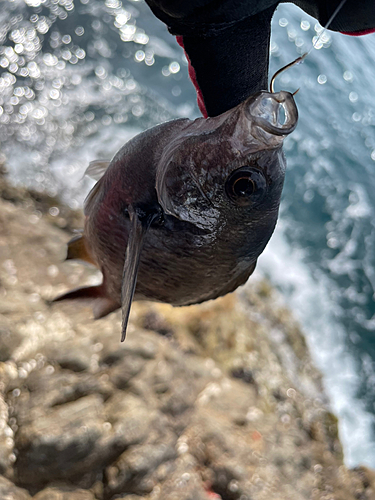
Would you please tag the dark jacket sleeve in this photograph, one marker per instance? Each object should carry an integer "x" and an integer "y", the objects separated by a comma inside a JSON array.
[{"x": 227, "y": 42}]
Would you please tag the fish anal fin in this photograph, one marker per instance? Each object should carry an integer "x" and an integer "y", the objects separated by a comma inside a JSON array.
[
  {"x": 85, "y": 292},
  {"x": 102, "y": 305},
  {"x": 252, "y": 269},
  {"x": 77, "y": 249},
  {"x": 242, "y": 279}
]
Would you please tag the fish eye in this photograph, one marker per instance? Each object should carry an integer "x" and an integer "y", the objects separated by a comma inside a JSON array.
[{"x": 245, "y": 186}]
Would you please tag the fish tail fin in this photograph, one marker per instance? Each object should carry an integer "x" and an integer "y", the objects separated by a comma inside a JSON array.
[
  {"x": 102, "y": 305},
  {"x": 77, "y": 249}
]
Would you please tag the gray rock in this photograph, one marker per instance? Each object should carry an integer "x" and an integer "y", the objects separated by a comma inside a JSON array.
[
  {"x": 64, "y": 493},
  {"x": 72, "y": 355},
  {"x": 142, "y": 345},
  {"x": 6, "y": 439},
  {"x": 8, "y": 491},
  {"x": 48, "y": 387},
  {"x": 130, "y": 418},
  {"x": 127, "y": 497},
  {"x": 183, "y": 482},
  {"x": 122, "y": 372},
  {"x": 135, "y": 470},
  {"x": 65, "y": 443},
  {"x": 9, "y": 339},
  {"x": 231, "y": 407}
]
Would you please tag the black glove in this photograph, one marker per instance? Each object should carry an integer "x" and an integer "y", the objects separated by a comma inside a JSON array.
[{"x": 227, "y": 42}]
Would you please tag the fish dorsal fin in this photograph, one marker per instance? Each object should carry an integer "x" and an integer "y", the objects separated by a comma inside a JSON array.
[
  {"x": 140, "y": 222},
  {"x": 92, "y": 197},
  {"x": 97, "y": 169}
]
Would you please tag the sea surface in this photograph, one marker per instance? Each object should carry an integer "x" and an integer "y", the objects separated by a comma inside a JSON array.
[{"x": 79, "y": 78}]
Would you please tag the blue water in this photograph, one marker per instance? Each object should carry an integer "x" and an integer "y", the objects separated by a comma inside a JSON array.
[
  {"x": 80, "y": 78},
  {"x": 327, "y": 221}
]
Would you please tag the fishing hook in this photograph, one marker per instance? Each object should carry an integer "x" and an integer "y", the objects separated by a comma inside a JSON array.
[
  {"x": 301, "y": 58},
  {"x": 296, "y": 61}
]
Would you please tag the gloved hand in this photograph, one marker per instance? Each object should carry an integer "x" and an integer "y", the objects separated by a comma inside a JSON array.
[{"x": 227, "y": 42}]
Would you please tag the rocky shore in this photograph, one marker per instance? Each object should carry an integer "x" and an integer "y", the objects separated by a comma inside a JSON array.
[{"x": 217, "y": 401}]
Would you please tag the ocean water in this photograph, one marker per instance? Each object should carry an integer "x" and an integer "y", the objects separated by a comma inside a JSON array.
[
  {"x": 79, "y": 78},
  {"x": 322, "y": 255}
]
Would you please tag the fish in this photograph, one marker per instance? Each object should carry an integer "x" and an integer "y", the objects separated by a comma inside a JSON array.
[{"x": 184, "y": 209}]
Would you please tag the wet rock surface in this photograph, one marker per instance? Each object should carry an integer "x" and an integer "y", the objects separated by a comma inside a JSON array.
[{"x": 217, "y": 401}]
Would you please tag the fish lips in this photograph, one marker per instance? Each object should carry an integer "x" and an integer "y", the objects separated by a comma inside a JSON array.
[{"x": 275, "y": 113}]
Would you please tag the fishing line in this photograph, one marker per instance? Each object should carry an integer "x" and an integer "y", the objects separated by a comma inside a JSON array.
[
  {"x": 300, "y": 59},
  {"x": 328, "y": 24}
]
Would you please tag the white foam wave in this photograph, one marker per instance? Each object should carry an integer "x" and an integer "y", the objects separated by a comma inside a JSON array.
[
  {"x": 311, "y": 299},
  {"x": 102, "y": 146}
]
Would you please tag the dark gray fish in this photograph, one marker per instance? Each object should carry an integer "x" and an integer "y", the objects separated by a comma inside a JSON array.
[{"x": 183, "y": 210}]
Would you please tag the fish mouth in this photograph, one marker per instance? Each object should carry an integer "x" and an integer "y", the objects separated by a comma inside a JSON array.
[{"x": 276, "y": 113}]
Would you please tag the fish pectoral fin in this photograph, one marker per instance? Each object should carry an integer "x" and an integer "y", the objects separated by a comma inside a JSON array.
[
  {"x": 129, "y": 277},
  {"x": 140, "y": 222},
  {"x": 97, "y": 169},
  {"x": 102, "y": 304},
  {"x": 77, "y": 249}
]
